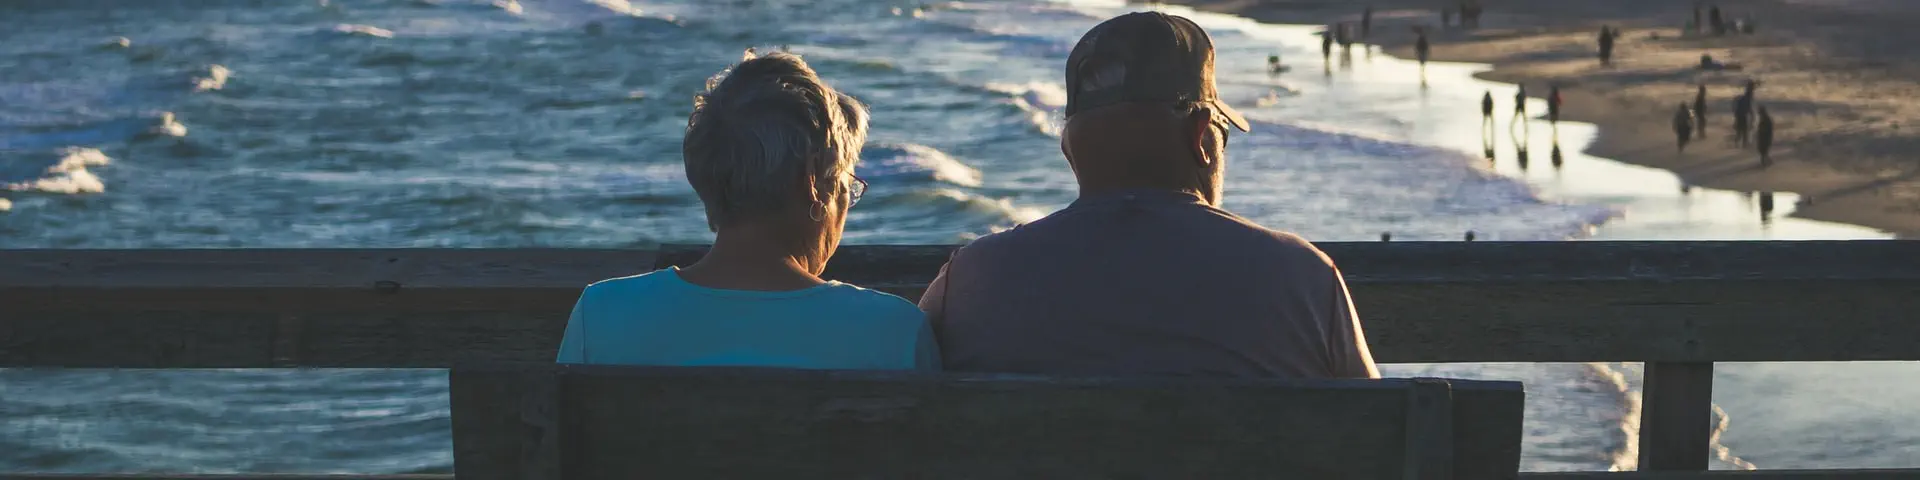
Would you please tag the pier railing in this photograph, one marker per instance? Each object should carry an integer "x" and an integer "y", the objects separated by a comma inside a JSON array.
[{"x": 1678, "y": 306}]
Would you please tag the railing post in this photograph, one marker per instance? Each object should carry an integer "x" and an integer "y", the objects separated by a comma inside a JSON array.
[{"x": 1676, "y": 416}]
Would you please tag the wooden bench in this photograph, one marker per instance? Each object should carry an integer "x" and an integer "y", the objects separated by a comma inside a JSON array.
[{"x": 544, "y": 421}]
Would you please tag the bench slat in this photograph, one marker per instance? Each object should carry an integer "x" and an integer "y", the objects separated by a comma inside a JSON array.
[{"x": 624, "y": 422}]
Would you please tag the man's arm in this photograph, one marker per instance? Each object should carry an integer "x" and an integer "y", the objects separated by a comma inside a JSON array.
[
  {"x": 1347, "y": 343},
  {"x": 934, "y": 301}
]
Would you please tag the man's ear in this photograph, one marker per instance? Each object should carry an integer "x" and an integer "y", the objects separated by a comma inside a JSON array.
[{"x": 1198, "y": 126}]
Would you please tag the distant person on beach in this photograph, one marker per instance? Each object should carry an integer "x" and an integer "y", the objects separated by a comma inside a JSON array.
[
  {"x": 1446, "y": 17},
  {"x": 1075, "y": 294},
  {"x": 1606, "y": 45},
  {"x": 1700, "y": 112},
  {"x": 1718, "y": 22},
  {"x": 1695, "y": 26},
  {"x": 1421, "y": 48},
  {"x": 1683, "y": 126},
  {"x": 1707, "y": 62},
  {"x": 1366, "y": 23},
  {"x": 1274, "y": 66},
  {"x": 1743, "y": 115},
  {"x": 1763, "y": 137},
  {"x": 1519, "y": 104},
  {"x": 1553, "y": 105},
  {"x": 1326, "y": 43},
  {"x": 770, "y": 150},
  {"x": 1486, "y": 108}
]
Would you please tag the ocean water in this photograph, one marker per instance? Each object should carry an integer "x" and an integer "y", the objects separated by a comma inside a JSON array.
[{"x": 471, "y": 123}]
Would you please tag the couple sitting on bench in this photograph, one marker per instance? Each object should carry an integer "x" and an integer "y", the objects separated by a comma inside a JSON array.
[{"x": 1144, "y": 274}]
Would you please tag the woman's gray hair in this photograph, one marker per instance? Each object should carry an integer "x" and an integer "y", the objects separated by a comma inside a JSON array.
[{"x": 761, "y": 130}]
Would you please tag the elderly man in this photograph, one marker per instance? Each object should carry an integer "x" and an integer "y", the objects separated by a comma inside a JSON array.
[{"x": 1144, "y": 273}]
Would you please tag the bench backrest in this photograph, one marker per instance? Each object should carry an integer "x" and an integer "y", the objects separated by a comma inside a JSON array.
[{"x": 557, "y": 421}]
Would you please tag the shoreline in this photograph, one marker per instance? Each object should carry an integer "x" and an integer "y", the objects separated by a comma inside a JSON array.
[{"x": 1857, "y": 177}]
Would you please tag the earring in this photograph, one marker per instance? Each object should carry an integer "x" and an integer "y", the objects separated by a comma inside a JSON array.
[{"x": 822, "y": 208}]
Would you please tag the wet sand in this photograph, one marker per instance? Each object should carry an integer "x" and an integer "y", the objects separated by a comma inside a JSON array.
[{"x": 1836, "y": 75}]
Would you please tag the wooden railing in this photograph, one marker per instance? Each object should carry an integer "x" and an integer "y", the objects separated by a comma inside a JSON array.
[{"x": 1678, "y": 306}]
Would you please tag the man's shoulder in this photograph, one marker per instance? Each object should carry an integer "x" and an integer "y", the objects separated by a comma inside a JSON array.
[
  {"x": 1201, "y": 225},
  {"x": 1253, "y": 238}
]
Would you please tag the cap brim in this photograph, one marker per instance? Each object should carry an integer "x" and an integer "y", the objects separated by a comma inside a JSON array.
[{"x": 1232, "y": 116}]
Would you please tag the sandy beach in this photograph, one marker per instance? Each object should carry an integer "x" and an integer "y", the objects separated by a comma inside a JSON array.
[{"x": 1836, "y": 75}]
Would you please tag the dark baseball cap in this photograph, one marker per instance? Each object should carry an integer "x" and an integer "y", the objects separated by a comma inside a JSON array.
[{"x": 1145, "y": 57}]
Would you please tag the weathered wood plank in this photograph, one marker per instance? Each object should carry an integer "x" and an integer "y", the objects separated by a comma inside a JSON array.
[
  {"x": 1406, "y": 323},
  {"x": 1676, "y": 416},
  {"x": 1860, "y": 474},
  {"x": 215, "y": 476},
  {"x": 1446, "y": 302},
  {"x": 229, "y": 340},
  {"x": 1429, "y": 430},
  {"x": 725, "y": 423},
  {"x": 317, "y": 267}
]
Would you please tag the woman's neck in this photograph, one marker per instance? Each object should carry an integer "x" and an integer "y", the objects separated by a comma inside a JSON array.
[{"x": 750, "y": 258}]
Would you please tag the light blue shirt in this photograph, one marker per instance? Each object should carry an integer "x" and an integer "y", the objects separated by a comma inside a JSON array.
[{"x": 661, "y": 320}]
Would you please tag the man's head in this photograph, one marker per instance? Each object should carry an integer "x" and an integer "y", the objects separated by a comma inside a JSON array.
[{"x": 1142, "y": 108}]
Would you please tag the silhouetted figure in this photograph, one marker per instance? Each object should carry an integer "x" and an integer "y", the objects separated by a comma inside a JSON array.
[
  {"x": 1386, "y": 236},
  {"x": 1274, "y": 67},
  {"x": 1606, "y": 45},
  {"x": 1520, "y": 105},
  {"x": 1553, "y": 105},
  {"x": 1326, "y": 43},
  {"x": 1763, "y": 137},
  {"x": 1557, "y": 159},
  {"x": 1366, "y": 23},
  {"x": 1421, "y": 48},
  {"x": 1766, "y": 207},
  {"x": 1446, "y": 17},
  {"x": 1700, "y": 112},
  {"x": 1695, "y": 26},
  {"x": 1469, "y": 235},
  {"x": 1344, "y": 36},
  {"x": 1683, "y": 126},
  {"x": 1718, "y": 23},
  {"x": 1486, "y": 109},
  {"x": 1743, "y": 115}
]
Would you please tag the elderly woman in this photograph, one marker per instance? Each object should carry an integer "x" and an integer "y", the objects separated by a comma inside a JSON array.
[{"x": 770, "y": 149}]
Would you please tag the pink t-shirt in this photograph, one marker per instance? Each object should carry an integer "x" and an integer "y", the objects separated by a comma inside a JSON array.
[{"x": 1146, "y": 283}]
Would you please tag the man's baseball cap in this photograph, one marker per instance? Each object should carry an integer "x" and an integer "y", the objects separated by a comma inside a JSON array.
[{"x": 1145, "y": 57}]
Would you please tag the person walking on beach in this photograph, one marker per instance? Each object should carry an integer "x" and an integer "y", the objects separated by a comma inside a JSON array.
[
  {"x": 1146, "y": 136},
  {"x": 1763, "y": 137},
  {"x": 1700, "y": 112},
  {"x": 1606, "y": 45},
  {"x": 1486, "y": 109},
  {"x": 1421, "y": 48},
  {"x": 1520, "y": 104},
  {"x": 1683, "y": 126},
  {"x": 1718, "y": 23},
  {"x": 1695, "y": 27},
  {"x": 1743, "y": 115},
  {"x": 1326, "y": 43},
  {"x": 770, "y": 150},
  {"x": 1366, "y": 23},
  {"x": 1553, "y": 105}
]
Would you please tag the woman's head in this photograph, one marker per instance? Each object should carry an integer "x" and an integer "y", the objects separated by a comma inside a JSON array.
[{"x": 770, "y": 147}]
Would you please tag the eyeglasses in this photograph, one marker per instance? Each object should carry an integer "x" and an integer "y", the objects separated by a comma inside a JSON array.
[{"x": 856, "y": 190}]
